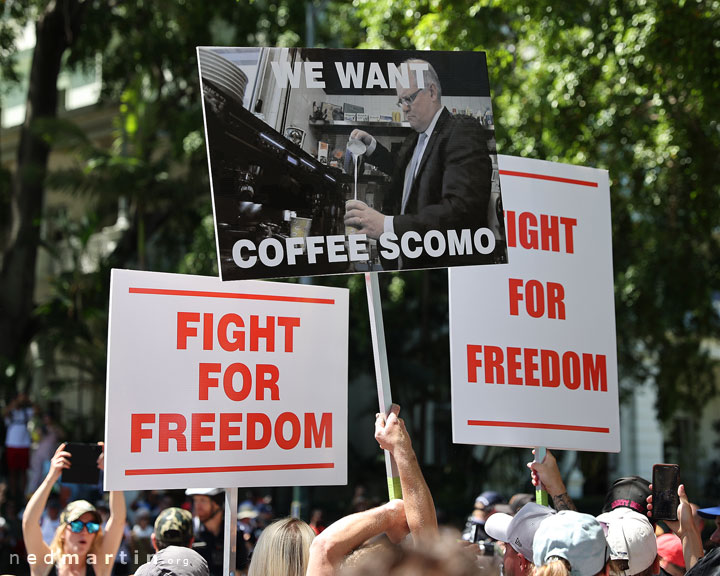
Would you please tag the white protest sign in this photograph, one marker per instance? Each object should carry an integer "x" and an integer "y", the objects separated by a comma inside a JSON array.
[
  {"x": 216, "y": 383},
  {"x": 533, "y": 353}
]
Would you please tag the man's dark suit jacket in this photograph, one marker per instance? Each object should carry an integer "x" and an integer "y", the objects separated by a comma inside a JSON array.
[{"x": 451, "y": 190}]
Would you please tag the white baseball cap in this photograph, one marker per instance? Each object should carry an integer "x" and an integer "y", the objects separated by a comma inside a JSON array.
[
  {"x": 631, "y": 537},
  {"x": 518, "y": 530},
  {"x": 203, "y": 491}
]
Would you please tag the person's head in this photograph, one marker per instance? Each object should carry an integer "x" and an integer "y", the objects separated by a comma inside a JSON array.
[
  {"x": 177, "y": 561},
  {"x": 628, "y": 492},
  {"x": 440, "y": 556},
  {"x": 669, "y": 548},
  {"x": 517, "y": 501},
  {"x": 420, "y": 104},
  {"x": 485, "y": 505},
  {"x": 207, "y": 502},
  {"x": 712, "y": 514},
  {"x": 283, "y": 549},
  {"x": 173, "y": 527},
  {"x": 143, "y": 517},
  {"x": 79, "y": 532},
  {"x": 247, "y": 513},
  {"x": 517, "y": 533},
  {"x": 570, "y": 543},
  {"x": 631, "y": 538}
]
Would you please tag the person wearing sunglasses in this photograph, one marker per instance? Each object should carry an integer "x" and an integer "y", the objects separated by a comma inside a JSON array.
[
  {"x": 80, "y": 546},
  {"x": 440, "y": 179}
]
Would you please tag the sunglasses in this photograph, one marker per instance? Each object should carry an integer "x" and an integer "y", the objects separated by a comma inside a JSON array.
[
  {"x": 77, "y": 526},
  {"x": 408, "y": 100}
]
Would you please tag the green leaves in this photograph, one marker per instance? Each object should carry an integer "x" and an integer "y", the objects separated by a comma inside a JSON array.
[{"x": 630, "y": 87}]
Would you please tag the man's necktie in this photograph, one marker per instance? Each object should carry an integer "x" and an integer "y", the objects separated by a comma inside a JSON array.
[{"x": 410, "y": 175}]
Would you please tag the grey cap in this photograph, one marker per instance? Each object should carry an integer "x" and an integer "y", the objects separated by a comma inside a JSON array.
[{"x": 175, "y": 561}]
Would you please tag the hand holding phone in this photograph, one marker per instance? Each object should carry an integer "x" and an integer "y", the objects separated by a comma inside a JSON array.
[
  {"x": 665, "y": 499},
  {"x": 83, "y": 464}
]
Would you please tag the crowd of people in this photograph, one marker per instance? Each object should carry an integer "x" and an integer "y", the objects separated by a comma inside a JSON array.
[{"x": 162, "y": 533}]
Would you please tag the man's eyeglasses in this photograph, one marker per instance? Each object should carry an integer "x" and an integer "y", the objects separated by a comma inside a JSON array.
[
  {"x": 408, "y": 100},
  {"x": 77, "y": 526}
]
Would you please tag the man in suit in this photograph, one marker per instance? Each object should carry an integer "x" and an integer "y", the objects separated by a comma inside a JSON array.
[{"x": 440, "y": 179}]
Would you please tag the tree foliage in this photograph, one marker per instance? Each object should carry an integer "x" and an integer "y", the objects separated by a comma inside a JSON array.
[
  {"x": 631, "y": 87},
  {"x": 156, "y": 163}
]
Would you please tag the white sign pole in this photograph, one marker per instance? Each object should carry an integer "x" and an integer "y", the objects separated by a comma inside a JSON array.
[
  {"x": 230, "y": 550},
  {"x": 382, "y": 373}
]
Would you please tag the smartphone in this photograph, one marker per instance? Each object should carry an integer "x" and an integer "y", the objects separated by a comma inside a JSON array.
[
  {"x": 83, "y": 464},
  {"x": 665, "y": 500}
]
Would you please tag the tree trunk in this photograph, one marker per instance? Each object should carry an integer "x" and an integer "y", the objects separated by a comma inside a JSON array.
[{"x": 55, "y": 31}]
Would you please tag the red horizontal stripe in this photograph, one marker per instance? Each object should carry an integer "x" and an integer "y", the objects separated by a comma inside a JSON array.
[
  {"x": 538, "y": 425},
  {"x": 213, "y": 469},
  {"x": 163, "y": 292},
  {"x": 551, "y": 178}
]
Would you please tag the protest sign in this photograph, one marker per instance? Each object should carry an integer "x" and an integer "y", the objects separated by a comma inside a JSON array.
[
  {"x": 224, "y": 384},
  {"x": 337, "y": 161},
  {"x": 533, "y": 354}
]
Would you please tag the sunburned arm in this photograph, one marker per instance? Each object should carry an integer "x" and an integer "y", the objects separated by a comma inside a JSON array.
[
  {"x": 330, "y": 547},
  {"x": 115, "y": 524},
  {"x": 547, "y": 473},
  {"x": 32, "y": 533},
  {"x": 393, "y": 436}
]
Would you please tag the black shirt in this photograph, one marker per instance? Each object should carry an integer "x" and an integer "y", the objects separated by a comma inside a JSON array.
[{"x": 211, "y": 548}]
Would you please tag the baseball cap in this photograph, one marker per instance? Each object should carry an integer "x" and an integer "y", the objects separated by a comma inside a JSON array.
[
  {"x": 77, "y": 508},
  {"x": 173, "y": 526},
  {"x": 576, "y": 537},
  {"x": 669, "y": 548},
  {"x": 518, "y": 530},
  {"x": 175, "y": 560},
  {"x": 247, "y": 511},
  {"x": 629, "y": 492},
  {"x": 203, "y": 491},
  {"x": 709, "y": 512},
  {"x": 488, "y": 499},
  {"x": 217, "y": 494},
  {"x": 631, "y": 537}
]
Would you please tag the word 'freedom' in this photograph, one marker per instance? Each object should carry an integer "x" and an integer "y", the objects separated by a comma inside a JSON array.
[{"x": 235, "y": 382}]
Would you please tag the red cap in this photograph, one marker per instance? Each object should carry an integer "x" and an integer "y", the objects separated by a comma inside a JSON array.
[{"x": 670, "y": 549}]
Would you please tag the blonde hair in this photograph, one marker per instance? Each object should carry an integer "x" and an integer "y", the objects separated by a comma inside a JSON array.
[
  {"x": 58, "y": 542},
  {"x": 283, "y": 549},
  {"x": 618, "y": 567},
  {"x": 556, "y": 567}
]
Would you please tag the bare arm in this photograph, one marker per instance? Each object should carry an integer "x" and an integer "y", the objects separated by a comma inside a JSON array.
[
  {"x": 547, "y": 473},
  {"x": 685, "y": 528},
  {"x": 115, "y": 524},
  {"x": 330, "y": 547},
  {"x": 32, "y": 534},
  {"x": 392, "y": 435}
]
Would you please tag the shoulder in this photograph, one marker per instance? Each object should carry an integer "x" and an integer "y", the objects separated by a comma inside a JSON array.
[
  {"x": 144, "y": 570},
  {"x": 40, "y": 569}
]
